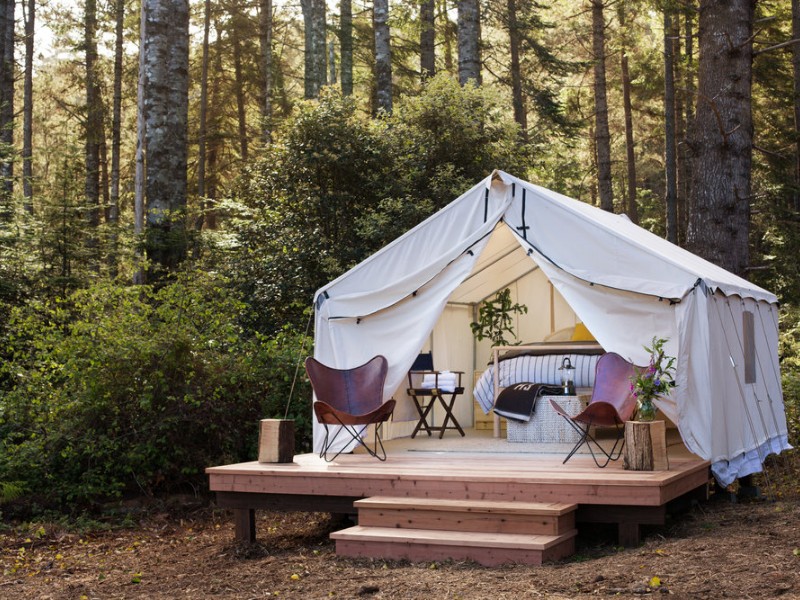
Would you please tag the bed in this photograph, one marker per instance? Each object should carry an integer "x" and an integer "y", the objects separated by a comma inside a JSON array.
[{"x": 536, "y": 363}]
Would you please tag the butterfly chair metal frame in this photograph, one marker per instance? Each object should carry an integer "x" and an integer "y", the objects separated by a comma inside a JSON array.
[
  {"x": 350, "y": 400},
  {"x": 612, "y": 404},
  {"x": 425, "y": 398}
]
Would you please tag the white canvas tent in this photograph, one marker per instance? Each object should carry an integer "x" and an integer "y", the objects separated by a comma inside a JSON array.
[{"x": 626, "y": 284}]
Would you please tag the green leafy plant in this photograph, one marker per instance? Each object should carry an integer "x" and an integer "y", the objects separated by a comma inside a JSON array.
[
  {"x": 496, "y": 318},
  {"x": 116, "y": 390}
]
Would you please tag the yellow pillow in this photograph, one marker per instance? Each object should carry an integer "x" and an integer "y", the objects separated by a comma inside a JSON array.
[{"x": 581, "y": 334}]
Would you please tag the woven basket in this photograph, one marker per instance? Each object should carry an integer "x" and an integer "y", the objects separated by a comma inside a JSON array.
[{"x": 547, "y": 425}]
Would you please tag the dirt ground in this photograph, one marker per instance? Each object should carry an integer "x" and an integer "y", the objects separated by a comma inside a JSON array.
[{"x": 719, "y": 549}]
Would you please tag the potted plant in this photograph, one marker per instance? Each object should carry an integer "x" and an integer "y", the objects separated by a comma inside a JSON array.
[{"x": 654, "y": 380}]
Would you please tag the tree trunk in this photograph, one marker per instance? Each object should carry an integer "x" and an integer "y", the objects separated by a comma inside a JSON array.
[
  {"x": 346, "y": 46},
  {"x": 315, "y": 46},
  {"x": 722, "y": 136},
  {"x": 27, "y": 109},
  {"x": 265, "y": 39},
  {"x": 680, "y": 127},
  {"x": 94, "y": 116},
  {"x": 116, "y": 133},
  {"x": 688, "y": 107},
  {"x": 203, "y": 125},
  {"x": 450, "y": 33},
  {"x": 427, "y": 39},
  {"x": 116, "y": 111},
  {"x": 383, "y": 56},
  {"x": 796, "y": 73},
  {"x": 239, "y": 82},
  {"x": 469, "y": 42},
  {"x": 331, "y": 63},
  {"x": 631, "y": 205},
  {"x": 671, "y": 191},
  {"x": 166, "y": 55},
  {"x": 517, "y": 98},
  {"x": 7, "y": 100},
  {"x": 141, "y": 141},
  {"x": 602, "y": 136},
  {"x": 214, "y": 144}
]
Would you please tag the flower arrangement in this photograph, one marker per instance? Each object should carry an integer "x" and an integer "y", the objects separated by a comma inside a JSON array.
[{"x": 654, "y": 380}]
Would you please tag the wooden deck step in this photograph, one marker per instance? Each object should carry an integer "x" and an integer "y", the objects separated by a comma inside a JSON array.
[
  {"x": 489, "y": 549},
  {"x": 530, "y": 518}
]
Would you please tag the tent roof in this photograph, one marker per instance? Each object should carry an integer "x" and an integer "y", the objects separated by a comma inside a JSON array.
[
  {"x": 588, "y": 243},
  {"x": 608, "y": 249}
]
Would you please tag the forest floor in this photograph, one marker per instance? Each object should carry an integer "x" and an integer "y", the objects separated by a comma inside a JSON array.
[{"x": 719, "y": 549}]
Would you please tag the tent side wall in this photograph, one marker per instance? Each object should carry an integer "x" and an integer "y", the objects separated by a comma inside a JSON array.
[{"x": 748, "y": 419}]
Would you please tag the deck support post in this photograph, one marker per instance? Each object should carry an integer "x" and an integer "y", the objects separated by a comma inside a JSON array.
[
  {"x": 628, "y": 534},
  {"x": 245, "y": 524}
]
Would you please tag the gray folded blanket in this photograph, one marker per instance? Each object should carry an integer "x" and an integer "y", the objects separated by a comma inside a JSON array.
[{"x": 518, "y": 401}]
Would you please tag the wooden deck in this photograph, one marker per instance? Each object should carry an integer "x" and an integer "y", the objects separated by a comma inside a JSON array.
[{"x": 610, "y": 495}]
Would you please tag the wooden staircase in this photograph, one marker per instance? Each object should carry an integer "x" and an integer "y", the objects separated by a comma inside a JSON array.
[{"x": 487, "y": 532}]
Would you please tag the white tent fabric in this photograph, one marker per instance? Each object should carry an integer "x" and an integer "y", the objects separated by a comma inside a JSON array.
[{"x": 625, "y": 283}]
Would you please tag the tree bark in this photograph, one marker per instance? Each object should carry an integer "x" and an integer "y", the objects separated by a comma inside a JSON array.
[
  {"x": 94, "y": 115},
  {"x": 315, "y": 46},
  {"x": 241, "y": 114},
  {"x": 427, "y": 39},
  {"x": 450, "y": 34},
  {"x": 722, "y": 136},
  {"x": 265, "y": 39},
  {"x": 383, "y": 55},
  {"x": 203, "y": 125},
  {"x": 7, "y": 101},
  {"x": 671, "y": 192},
  {"x": 166, "y": 55},
  {"x": 116, "y": 111},
  {"x": 517, "y": 97},
  {"x": 688, "y": 107},
  {"x": 678, "y": 67},
  {"x": 346, "y": 46},
  {"x": 27, "y": 108},
  {"x": 645, "y": 446},
  {"x": 602, "y": 136},
  {"x": 141, "y": 141},
  {"x": 469, "y": 42},
  {"x": 631, "y": 205},
  {"x": 214, "y": 144},
  {"x": 796, "y": 74},
  {"x": 331, "y": 63}
]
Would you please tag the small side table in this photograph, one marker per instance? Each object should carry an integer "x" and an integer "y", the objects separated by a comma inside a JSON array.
[{"x": 645, "y": 446}]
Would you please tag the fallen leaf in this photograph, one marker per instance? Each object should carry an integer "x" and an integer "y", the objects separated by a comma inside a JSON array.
[{"x": 655, "y": 582}]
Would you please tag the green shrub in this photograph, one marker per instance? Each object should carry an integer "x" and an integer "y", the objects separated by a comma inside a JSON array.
[
  {"x": 132, "y": 389},
  {"x": 336, "y": 186}
]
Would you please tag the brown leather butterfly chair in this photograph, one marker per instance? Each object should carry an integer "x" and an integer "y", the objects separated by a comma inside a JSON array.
[
  {"x": 350, "y": 400},
  {"x": 612, "y": 404}
]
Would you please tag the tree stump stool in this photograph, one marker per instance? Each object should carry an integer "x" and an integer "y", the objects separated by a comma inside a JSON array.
[
  {"x": 645, "y": 446},
  {"x": 276, "y": 441}
]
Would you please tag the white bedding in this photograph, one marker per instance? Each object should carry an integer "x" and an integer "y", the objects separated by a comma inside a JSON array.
[{"x": 534, "y": 369}]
